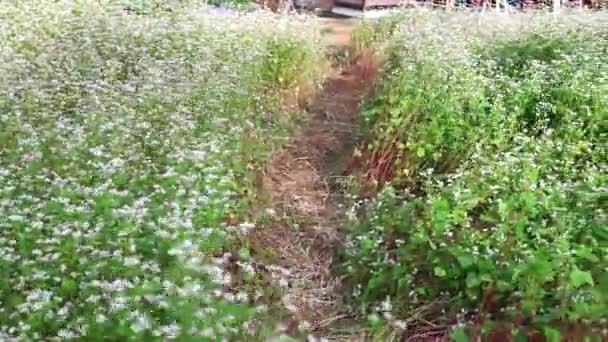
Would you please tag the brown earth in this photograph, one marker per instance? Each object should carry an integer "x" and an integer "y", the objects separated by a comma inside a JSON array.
[{"x": 301, "y": 229}]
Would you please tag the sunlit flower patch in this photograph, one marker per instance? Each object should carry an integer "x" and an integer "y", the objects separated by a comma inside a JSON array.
[{"x": 121, "y": 153}]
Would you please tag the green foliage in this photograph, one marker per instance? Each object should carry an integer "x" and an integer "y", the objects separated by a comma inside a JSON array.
[
  {"x": 368, "y": 34},
  {"x": 498, "y": 206},
  {"x": 125, "y": 142},
  {"x": 153, "y": 7},
  {"x": 240, "y": 4},
  {"x": 514, "y": 57},
  {"x": 289, "y": 63}
]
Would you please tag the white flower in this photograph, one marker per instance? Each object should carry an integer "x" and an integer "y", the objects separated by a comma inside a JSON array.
[
  {"x": 208, "y": 332},
  {"x": 246, "y": 227},
  {"x": 16, "y": 218},
  {"x": 386, "y": 305},
  {"x": 66, "y": 334},
  {"x": 131, "y": 261},
  {"x": 141, "y": 323}
]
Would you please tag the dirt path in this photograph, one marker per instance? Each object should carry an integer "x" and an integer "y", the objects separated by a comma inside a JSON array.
[{"x": 303, "y": 232}]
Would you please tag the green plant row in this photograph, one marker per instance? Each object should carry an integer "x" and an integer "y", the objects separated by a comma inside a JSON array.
[
  {"x": 125, "y": 142},
  {"x": 495, "y": 215}
]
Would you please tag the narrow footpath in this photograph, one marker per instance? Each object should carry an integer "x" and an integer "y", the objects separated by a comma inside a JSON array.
[{"x": 301, "y": 181}]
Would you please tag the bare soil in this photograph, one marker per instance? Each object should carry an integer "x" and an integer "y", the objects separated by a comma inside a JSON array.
[{"x": 301, "y": 230}]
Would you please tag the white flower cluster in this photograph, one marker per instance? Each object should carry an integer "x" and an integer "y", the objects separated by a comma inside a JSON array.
[{"x": 120, "y": 155}]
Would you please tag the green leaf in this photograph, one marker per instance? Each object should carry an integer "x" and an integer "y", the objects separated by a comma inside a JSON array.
[
  {"x": 376, "y": 282},
  {"x": 473, "y": 280},
  {"x": 541, "y": 268},
  {"x": 529, "y": 306},
  {"x": 503, "y": 210},
  {"x": 420, "y": 152},
  {"x": 552, "y": 335},
  {"x": 120, "y": 179},
  {"x": 459, "y": 335},
  {"x": 440, "y": 272},
  {"x": 441, "y": 211},
  {"x": 244, "y": 253},
  {"x": 579, "y": 278},
  {"x": 486, "y": 277},
  {"x": 502, "y": 285},
  {"x": 68, "y": 287},
  {"x": 533, "y": 175},
  {"x": 586, "y": 253},
  {"x": 432, "y": 244},
  {"x": 465, "y": 260}
]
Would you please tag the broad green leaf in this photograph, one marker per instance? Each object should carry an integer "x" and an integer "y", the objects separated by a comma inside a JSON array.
[
  {"x": 503, "y": 210},
  {"x": 420, "y": 152},
  {"x": 465, "y": 260},
  {"x": 473, "y": 280},
  {"x": 440, "y": 272},
  {"x": 376, "y": 281},
  {"x": 459, "y": 335},
  {"x": 552, "y": 335},
  {"x": 586, "y": 253},
  {"x": 579, "y": 278},
  {"x": 244, "y": 253},
  {"x": 541, "y": 268}
]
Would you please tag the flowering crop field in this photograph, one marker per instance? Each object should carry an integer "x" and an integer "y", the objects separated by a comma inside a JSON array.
[
  {"x": 490, "y": 131},
  {"x": 125, "y": 142}
]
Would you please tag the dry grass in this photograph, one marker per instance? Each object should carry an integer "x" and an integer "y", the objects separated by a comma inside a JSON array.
[{"x": 302, "y": 230}]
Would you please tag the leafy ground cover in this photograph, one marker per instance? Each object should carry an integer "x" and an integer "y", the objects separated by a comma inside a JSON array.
[
  {"x": 126, "y": 141},
  {"x": 488, "y": 136}
]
